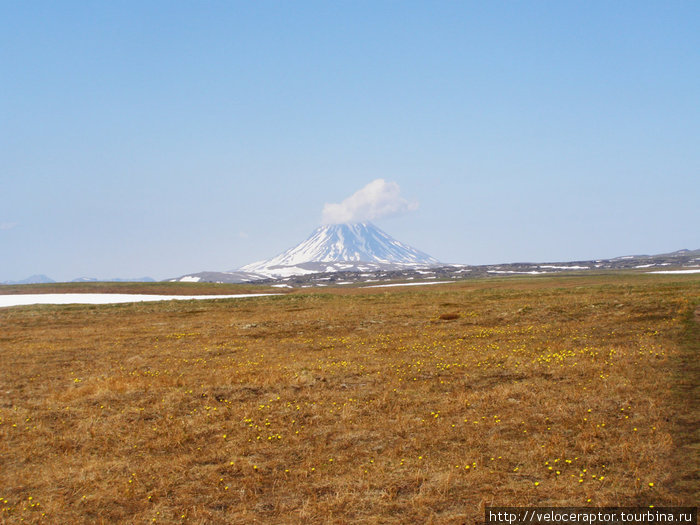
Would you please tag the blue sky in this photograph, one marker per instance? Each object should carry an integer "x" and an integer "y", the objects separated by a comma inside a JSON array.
[{"x": 163, "y": 138}]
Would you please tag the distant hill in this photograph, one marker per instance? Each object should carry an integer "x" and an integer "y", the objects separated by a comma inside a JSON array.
[
  {"x": 43, "y": 279},
  {"x": 114, "y": 280},
  {"x": 32, "y": 279}
]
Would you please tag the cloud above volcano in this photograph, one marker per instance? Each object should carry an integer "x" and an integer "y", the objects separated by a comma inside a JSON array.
[{"x": 376, "y": 200}]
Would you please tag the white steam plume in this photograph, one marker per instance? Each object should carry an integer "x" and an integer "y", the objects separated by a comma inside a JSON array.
[{"x": 378, "y": 199}]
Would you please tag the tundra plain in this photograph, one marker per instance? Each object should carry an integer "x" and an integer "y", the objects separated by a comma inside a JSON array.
[{"x": 355, "y": 405}]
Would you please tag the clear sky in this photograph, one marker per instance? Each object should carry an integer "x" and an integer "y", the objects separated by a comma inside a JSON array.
[{"x": 164, "y": 138}]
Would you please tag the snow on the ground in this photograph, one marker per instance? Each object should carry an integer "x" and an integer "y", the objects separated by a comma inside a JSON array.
[
  {"x": 406, "y": 284},
  {"x": 564, "y": 267},
  {"x": 105, "y": 298},
  {"x": 534, "y": 272},
  {"x": 285, "y": 272},
  {"x": 190, "y": 279},
  {"x": 693, "y": 270}
]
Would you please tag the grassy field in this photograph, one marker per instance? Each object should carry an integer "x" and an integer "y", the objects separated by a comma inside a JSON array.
[
  {"x": 397, "y": 405},
  {"x": 156, "y": 288}
]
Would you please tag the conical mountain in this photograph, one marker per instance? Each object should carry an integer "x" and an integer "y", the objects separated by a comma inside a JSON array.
[{"x": 343, "y": 247}]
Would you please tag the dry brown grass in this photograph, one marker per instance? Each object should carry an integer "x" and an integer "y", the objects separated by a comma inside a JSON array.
[{"x": 352, "y": 406}]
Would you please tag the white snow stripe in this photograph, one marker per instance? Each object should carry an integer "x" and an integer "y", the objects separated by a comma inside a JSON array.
[{"x": 107, "y": 298}]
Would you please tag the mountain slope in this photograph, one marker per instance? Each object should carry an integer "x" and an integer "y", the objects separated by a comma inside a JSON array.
[
  {"x": 344, "y": 246},
  {"x": 33, "y": 279}
]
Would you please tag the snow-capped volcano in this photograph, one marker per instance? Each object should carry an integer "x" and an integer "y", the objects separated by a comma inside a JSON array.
[{"x": 338, "y": 247}]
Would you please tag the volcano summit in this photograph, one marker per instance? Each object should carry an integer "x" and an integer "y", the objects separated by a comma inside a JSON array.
[{"x": 343, "y": 247}]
